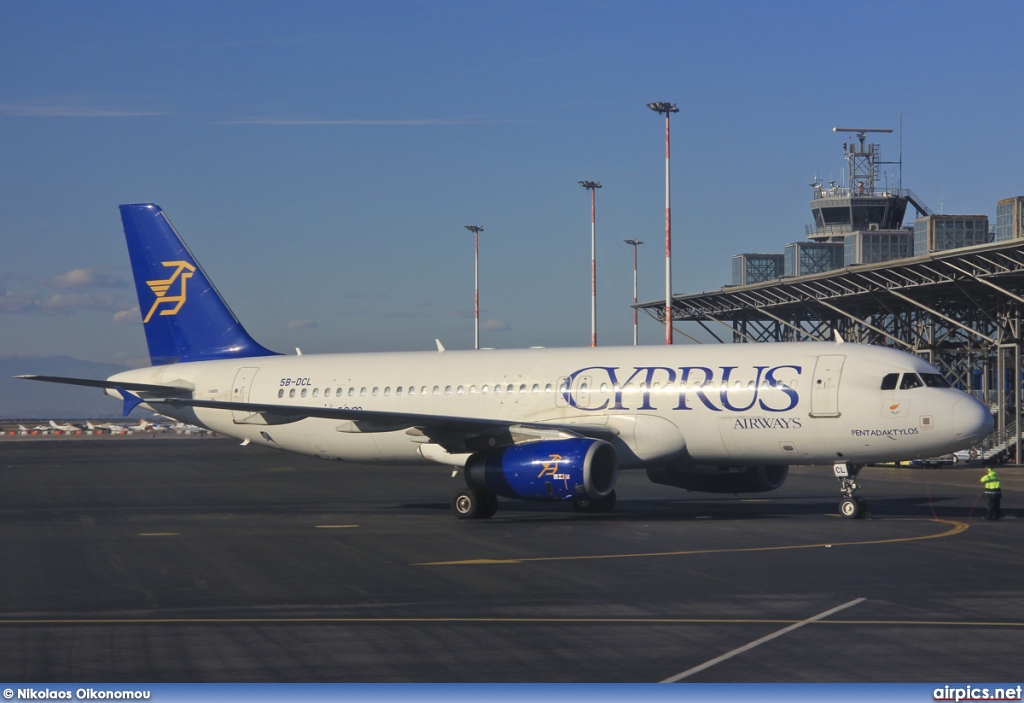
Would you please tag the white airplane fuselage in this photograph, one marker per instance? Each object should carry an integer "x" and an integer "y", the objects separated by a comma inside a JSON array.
[
  {"x": 535, "y": 424},
  {"x": 782, "y": 403}
]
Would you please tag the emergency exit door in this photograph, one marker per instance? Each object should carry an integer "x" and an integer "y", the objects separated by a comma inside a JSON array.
[{"x": 240, "y": 394}]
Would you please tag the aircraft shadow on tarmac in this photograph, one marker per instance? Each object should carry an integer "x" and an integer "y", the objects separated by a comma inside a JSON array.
[{"x": 734, "y": 509}]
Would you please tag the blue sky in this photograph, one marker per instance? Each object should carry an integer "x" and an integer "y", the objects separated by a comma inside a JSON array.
[{"x": 321, "y": 159}]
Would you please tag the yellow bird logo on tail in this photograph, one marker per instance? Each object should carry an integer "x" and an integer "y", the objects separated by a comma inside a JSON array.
[{"x": 183, "y": 271}]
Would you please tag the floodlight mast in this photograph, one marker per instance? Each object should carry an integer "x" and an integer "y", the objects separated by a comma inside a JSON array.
[
  {"x": 476, "y": 230},
  {"x": 667, "y": 109},
  {"x": 635, "y": 243},
  {"x": 592, "y": 186}
]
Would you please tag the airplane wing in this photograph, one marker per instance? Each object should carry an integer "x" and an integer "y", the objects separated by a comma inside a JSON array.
[
  {"x": 159, "y": 390},
  {"x": 456, "y": 434}
]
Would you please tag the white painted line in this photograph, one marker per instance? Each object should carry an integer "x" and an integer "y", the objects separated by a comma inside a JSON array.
[{"x": 766, "y": 638}]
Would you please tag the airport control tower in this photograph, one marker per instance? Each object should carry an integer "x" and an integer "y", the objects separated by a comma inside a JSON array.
[{"x": 866, "y": 215}]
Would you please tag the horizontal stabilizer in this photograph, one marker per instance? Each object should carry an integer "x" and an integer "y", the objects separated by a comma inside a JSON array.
[{"x": 131, "y": 401}]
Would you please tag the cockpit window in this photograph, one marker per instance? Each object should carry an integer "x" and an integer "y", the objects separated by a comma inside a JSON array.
[
  {"x": 910, "y": 380},
  {"x": 934, "y": 380},
  {"x": 889, "y": 382}
]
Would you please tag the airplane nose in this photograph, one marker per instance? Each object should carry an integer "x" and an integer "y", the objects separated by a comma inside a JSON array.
[{"x": 971, "y": 419}]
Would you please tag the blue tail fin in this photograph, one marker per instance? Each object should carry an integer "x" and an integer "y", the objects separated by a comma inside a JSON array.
[{"x": 185, "y": 317}]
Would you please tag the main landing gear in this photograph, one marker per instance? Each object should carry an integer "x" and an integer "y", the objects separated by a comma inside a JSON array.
[
  {"x": 474, "y": 504},
  {"x": 471, "y": 504},
  {"x": 850, "y": 506},
  {"x": 586, "y": 504}
]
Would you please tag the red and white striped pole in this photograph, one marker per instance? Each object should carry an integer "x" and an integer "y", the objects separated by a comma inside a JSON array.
[
  {"x": 592, "y": 186},
  {"x": 667, "y": 108},
  {"x": 476, "y": 283}
]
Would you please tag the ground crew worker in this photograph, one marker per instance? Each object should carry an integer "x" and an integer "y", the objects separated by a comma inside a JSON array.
[{"x": 993, "y": 492}]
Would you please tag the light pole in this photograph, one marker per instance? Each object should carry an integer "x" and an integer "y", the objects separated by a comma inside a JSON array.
[
  {"x": 476, "y": 283},
  {"x": 592, "y": 186},
  {"x": 668, "y": 109},
  {"x": 635, "y": 243}
]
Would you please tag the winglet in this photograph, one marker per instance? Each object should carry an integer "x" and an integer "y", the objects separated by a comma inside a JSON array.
[
  {"x": 440, "y": 347},
  {"x": 839, "y": 337},
  {"x": 131, "y": 401}
]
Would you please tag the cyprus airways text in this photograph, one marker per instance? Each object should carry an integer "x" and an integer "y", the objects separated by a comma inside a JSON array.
[{"x": 700, "y": 386}]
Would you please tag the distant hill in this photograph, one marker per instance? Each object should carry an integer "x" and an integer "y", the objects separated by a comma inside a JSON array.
[{"x": 21, "y": 400}]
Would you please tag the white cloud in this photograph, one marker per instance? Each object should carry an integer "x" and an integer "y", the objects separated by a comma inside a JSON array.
[
  {"x": 68, "y": 109},
  {"x": 86, "y": 278},
  {"x": 414, "y": 122},
  {"x": 495, "y": 325},
  {"x": 17, "y": 301},
  {"x": 131, "y": 316},
  {"x": 67, "y": 303}
]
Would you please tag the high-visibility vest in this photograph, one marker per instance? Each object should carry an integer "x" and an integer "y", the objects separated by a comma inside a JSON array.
[{"x": 990, "y": 480}]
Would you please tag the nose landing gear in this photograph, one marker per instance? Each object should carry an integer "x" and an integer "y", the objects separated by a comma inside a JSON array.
[{"x": 850, "y": 506}]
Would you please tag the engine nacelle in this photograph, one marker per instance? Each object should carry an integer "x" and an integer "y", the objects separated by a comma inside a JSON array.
[
  {"x": 722, "y": 479},
  {"x": 556, "y": 469}
]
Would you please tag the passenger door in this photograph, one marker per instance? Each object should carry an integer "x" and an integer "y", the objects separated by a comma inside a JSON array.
[{"x": 825, "y": 385}]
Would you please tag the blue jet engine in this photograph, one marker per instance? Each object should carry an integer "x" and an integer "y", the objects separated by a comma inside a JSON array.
[{"x": 559, "y": 469}]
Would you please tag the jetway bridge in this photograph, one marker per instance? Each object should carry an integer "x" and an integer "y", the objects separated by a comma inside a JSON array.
[{"x": 960, "y": 309}]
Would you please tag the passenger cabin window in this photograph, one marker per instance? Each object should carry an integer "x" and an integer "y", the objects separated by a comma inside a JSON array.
[
  {"x": 280, "y": 393},
  {"x": 889, "y": 382},
  {"x": 910, "y": 380},
  {"x": 327, "y": 392}
]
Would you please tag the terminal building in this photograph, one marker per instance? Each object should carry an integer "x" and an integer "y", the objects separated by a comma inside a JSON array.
[
  {"x": 755, "y": 268},
  {"x": 944, "y": 288},
  {"x": 1010, "y": 219}
]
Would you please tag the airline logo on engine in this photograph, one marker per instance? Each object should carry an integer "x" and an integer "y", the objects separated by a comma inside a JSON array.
[
  {"x": 722, "y": 388},
  {"x": 550, "y": 469},
  {"x": 183, "y": 271}
]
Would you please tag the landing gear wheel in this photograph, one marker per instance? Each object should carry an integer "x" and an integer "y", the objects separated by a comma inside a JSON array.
[
  {"x": 849, "y": 508},
  {"x": 863, "y": 504},
  {"x": 470, "y": 505},
  {"x": 586, "y": 504},
  {"x": 489, "y": 505}
]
